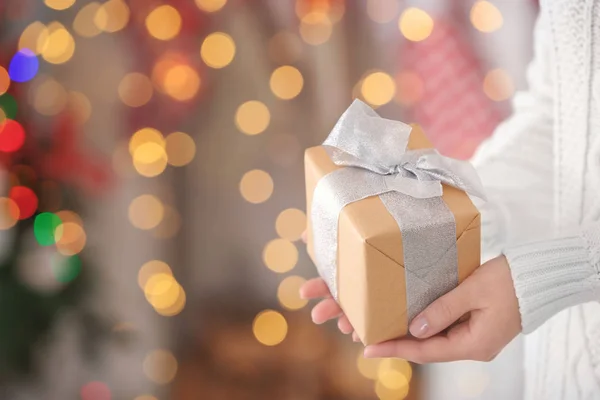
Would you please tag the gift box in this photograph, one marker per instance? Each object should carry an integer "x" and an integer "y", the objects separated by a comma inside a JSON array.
[{"x": 391, "y": 225}]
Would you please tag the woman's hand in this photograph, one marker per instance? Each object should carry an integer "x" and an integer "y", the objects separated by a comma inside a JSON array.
[{"x": 488, "y": 295}]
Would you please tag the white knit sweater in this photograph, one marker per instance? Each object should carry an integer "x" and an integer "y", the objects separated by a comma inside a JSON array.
[{"x": 542, "y": 172}]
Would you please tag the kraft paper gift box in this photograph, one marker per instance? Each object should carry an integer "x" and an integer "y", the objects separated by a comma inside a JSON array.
[{"x": 370, "y": 281}]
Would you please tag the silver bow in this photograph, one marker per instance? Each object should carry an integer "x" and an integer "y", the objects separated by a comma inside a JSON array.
[{"x": 409, "y": 183}]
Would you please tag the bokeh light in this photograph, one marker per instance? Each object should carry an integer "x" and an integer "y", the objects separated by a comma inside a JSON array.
[
  {"x": 217, "y": 50},
  {"x": 394, "y": 373},
  {"x": 80, "y": 106},
  {"x": 9, "y": 213},
  {"x": 112, "y": 16},
  {"x": 145, "y": 397},
  {"x": 280, "y": 255},
  {"x": 210, "y": 5},
  {"x": 180, "y": 148},
  {"x": 162, "y": 291},
  {"x": 49, "y": 97},
  {"x": 135, "y": 89},
  {"x": 44, "y": 228},
  {"x": 290, "y": 224},
  {"x": 498, "y": 85},
  {"x": 147, "y": 148},
  {"x": 34, "y": 37},
  {"x": 23, "y": 66},
  {"x": 151, "y": 268},
  {"x": 143, "y": 136},
  {"x": 12, "y": 136},
  {"x": 385, "y": 393},
  {"x": 174, "y": 309},
  {"x": 4, "y": 80},
  {"x": 378, "y": 88},
  {"x": 288, "y": 293},
  {"x": 61, "y": 45},
  {"x": 367, "y": 367},
  {"x": 145, "y": 211},
  {"x": 25, "y": 199},
  {"x": 70, "y": 238},
  {"x": 164, "y": 22},
  {"x": 286, "y": 82},
  {"x": 415, "y": 24},
  {"x": 270, "y": 328},
  {"x": 170, "y": 224},
  {"x": 160, "y": 366},
  {"x": 409, "y": 88},
  {"x": 252, "y": 117},
  {"x": 315, "y": 28},
  {"x": 181, "y": 82},
  {"x": 382, "y": 11},
  {"x": 334, "y": 10},
  {"x": 486, "y": 17},
  {"x": 59, "y": 4},
  {"x": 69, "y": 216},
  {"x": 65, "y": 268},
  {"x": 95, "y": 390},
  {"x": 84, "y": 23},
  {"x": 256, "y": 186},
  {"x": 285, "y": 47},
  {"x": 8, "y": 104}
]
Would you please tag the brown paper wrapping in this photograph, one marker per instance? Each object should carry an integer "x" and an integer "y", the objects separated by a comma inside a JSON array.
[{"x": 371, "y": 283}]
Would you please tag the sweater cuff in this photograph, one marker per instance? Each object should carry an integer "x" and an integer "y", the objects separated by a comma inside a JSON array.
[{"x": 550, "y": 276}]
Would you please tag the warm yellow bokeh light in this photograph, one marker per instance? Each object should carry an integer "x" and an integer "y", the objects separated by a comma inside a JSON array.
[
  {"x": 392, "y": 379},
  {"x": 280, "y": 255},
  {"x": 252, "y": 117},
  {"x": 84, "y": 23},
  {"x": 286, "y": 82},
  {"x": 256, "y": 186},
  {"x": 288, "y": 293},
  {"x": 385, "y": 393},
  {"x": 409, "y": 88},
  {"x": 210, "y": 5},
  {"x": 170, "y": 224},
  {"x": 290, "y": 224},
  {"x": 160, "y": 366},
  {"x": 498, "y": 85},
  {"x": 112, "y": 16},
  {"x": 59, "y": 4},
  {"x": 162, "y": 291},
  {"x": 315, "y": 28},
  {"x": 9, "y": 213},
  {"x": 486, "y": 17},
  {"x": 382, "y": 11},
  {"x": 334, "y": 10},
  {"x": 69, "y": 216},
  {"x": 415, "y": 24},
  {"x": 150, "y": 159},
  {"x": 70, "y": 238},
  {"x": 4, "y": 80},
  {"x": 151, "y": 268},
  {"x": 50, "y": 97},
  {"x": 270, "y": 327},
  {"x": 60, "y": 45},
  {"x": 181, "y": 82},
  {"x": 378, "y": 88},
  {"x": 143, "y": 136},
  {"x": 176, "y": 308},
  {"x": 180, "y": 148},
  {"x": 368, "y": 367},
  {"x": 80, "y": 106},
  {"x": 146, "y": 212},
  {"x": 217, "y": 50},
  {"x": 135, "y": 89},
  {"x": 34, "y": 37},
  {"x": 164, "y": 22},
  {"x": 145, "y": 397},
  {"x": 394, "y": 364}
]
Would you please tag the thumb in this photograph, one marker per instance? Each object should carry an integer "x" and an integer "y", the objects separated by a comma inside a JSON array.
[{"x": 443, "y": 312}]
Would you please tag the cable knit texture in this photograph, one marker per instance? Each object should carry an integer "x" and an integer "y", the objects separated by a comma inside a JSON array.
[{"x": 541, "y": 169}]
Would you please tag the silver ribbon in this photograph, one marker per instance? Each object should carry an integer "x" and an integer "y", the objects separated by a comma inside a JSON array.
[{"x": 409, "y": 183}]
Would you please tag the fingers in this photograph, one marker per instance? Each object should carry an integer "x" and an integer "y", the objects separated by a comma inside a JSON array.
[
  {"x": 314, "y": 288},
  {"x": 443, "y": 312},
  {"x": 324, "y": 311},
  {"x": 455, "y": 346},
  {"x": 344, "y": 325},
  {"x": 355, "y": 337}
]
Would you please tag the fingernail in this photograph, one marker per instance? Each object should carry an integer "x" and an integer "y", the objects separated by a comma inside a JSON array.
[
  {"x": 419, "y": 326},
  {"x": 314, "y": 318}
]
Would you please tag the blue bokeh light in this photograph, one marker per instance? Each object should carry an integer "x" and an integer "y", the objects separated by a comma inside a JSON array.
[{"x": 23, "y": 66}]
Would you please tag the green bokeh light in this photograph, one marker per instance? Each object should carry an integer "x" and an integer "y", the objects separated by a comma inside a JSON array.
[
  {"x": 66, "y": 268},
  {"x": 44, "y": 228},
  {"x": 8, "y": 104}
]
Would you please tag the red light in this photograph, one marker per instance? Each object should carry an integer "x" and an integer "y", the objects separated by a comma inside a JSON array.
[
  {"x": 12, "y": 136},
  {"x": 95, "y": 391},
  {"x": 26, "y": 200}
]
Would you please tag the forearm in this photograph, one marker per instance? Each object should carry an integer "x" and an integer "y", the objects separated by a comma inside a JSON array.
[{"x": 552, "y": 275}]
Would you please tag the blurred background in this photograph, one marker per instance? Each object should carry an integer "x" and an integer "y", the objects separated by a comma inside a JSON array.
[{"x": 152, "y": 192}]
